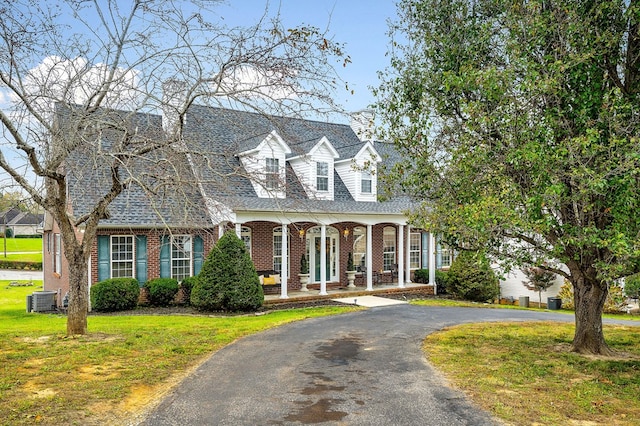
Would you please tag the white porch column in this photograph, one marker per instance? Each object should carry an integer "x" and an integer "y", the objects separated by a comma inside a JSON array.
[
  {"x": 408, "y": 256},
  {"x": 369, "y": 258},
  {"x": 401, "y": 256},
  {"x": 432, "y": 262},
  {"x": 323, "y": 260},
  {"x": 239, "y": 230},
  {"x": 285, "y": 262},
  {"x": 220, "y": 230}
]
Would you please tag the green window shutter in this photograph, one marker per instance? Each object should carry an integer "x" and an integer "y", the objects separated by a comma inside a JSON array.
[
  {"x": 198, "y": 254},
  {"x": 141, "y": 258},
  {"x": 165, "y": 257},
  {"x": 104, "y": 258}
]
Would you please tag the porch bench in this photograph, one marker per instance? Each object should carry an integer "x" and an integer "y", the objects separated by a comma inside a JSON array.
[{"x": 270, "y": 281}]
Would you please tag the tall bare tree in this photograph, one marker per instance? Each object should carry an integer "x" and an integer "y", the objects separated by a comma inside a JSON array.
[{"x": 80, "y": 82}]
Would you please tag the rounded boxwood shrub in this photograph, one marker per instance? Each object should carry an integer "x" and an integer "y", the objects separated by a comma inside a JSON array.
[
  {"x": 228, "y": 280},
  {"x": 422, "y": 276},
  {"x": 187, "y": 286},
  {"x": 162, "y": 291},
  {"x": 115, "y": 294},
  {"x": 471, "y": 278}
]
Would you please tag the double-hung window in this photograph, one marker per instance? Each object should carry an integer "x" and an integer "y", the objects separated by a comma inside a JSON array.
[
  {"x": 181, "y": 256},
  {"x": 122, "y": 256},
  {"x": 322, "y": 176},
  {"x": 365, "y": 182},
  {"x": 414, "y": 250},
  {"x": 57, "y": 253},
  {"x": 272, "y": 173}
]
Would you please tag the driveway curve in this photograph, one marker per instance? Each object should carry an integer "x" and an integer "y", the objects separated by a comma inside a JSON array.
[{"x": 361, "y": 368}]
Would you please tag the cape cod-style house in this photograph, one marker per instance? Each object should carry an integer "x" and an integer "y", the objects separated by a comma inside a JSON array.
[{"x": 288, "y": 187}]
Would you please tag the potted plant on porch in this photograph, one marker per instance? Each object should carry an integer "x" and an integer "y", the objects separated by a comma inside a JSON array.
[
  {"x": 351, "y": 271},
  {"x": 304, "y": 272}
]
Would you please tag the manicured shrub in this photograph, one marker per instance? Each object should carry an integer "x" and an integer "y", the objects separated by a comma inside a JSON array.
[
  {"x": 187, "y": 286},
  {"x": 471, "y": 278},
  {"x": 162, "y": 291},
  {"x": 115, "y": 294},
  {"x": 422, "y": 276},
  {"x": 228, "y": 280}
]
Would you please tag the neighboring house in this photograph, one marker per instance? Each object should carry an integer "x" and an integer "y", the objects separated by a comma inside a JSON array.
[
  {"x": 286, "y": 186},
  {"x": 22, "y": 223}
]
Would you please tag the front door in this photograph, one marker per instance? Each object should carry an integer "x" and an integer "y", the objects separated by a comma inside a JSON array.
[{"x": 331, "y": 254}]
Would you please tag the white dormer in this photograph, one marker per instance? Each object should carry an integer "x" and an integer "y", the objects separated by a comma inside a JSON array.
[
  {"x": 360, "y": 173},
  {"x": 315, "y": 170},
  {"x": 266, "y": 163}
]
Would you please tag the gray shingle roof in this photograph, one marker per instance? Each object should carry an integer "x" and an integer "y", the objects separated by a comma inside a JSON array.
[{"x": 213, "y": 137}]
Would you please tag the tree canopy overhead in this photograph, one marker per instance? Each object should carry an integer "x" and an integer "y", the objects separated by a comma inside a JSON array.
[{"x": 520, "y": 122}]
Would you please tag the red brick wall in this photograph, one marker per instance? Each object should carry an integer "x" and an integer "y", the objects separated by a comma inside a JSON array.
[{"x": 261, "y": 250}]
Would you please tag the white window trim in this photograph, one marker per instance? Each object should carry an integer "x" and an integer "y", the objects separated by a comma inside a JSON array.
[
  {"x": 133, "y": 254},
  {"x": 324, "y": 177},
  {"x": 172, "y": 259},
  {"x": 414, "y": 251}
]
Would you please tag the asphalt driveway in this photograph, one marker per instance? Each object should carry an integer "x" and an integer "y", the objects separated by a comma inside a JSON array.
[{"x": 363, "y": 368}]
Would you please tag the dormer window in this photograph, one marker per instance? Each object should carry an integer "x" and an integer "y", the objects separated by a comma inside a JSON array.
[
  {"x": 365, "y": 182},
  {"x": 272, "y": 173},
  {"x": 322, "y": 176}
]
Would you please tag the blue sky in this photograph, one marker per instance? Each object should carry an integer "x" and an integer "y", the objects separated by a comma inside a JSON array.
[{"x": 360, "y": 24}]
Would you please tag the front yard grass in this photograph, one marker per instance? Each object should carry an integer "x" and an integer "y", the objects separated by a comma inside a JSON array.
[
  {"x": 21, "y": 244},
  {"x": 524, "y": 373},
  {"x": 107, "y": 376}
]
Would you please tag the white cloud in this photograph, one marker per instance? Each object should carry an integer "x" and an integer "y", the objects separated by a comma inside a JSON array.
[
  {"x": 252, "y": 82},
  {"x": 74, "y": 81}
]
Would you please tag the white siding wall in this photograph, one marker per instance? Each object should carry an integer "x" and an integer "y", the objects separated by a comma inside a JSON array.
[
  {"x": 512, "y": 287},
  {"x": 350, "y": 173},
  {"x": 255, "y": 164},
  {"x": 302, "y": 168},
  {"x": 322, "y": 154}
]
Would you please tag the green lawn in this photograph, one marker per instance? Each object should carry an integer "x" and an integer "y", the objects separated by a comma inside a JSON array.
[
  {"x": 524, "y": 373},
  {"x": 21, "y": 250},
  {"x": 110, "y": 374},
  {"x": 21, "y": 245}
]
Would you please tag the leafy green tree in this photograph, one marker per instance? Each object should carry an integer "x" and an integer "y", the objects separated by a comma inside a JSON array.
[
  {"x": 632, "y": 286},
  {"x": 538, "y": 279},
  {"x": 228, "y": 280},
  {"x": 520, "y": 122},
  {"x": 471, "y": 278}
]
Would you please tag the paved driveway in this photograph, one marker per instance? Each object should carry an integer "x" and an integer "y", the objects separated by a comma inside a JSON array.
[
  {"x": 363, "y": 368},
  {"x": 19, "y": 275}
]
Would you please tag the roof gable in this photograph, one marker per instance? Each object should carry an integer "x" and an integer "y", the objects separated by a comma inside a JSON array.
[{"x": 324, "y": 142}]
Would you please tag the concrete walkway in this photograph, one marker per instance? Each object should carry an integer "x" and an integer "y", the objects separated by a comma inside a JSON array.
[{"x": 362, "y": 368}]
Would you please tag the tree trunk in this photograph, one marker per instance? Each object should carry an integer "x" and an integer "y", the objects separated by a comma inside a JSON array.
[
  {"x": 78, "y": 297},
  {"x": 589, "y": 298}
]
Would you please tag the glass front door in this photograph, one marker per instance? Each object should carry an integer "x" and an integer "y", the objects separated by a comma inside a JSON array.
[{"x": 331, "y": 252}]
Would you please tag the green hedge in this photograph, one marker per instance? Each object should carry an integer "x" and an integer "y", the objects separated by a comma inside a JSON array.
[
  {"x": 27, "y": 266},
  {"x": 422, "y": 276},
  {"x": 162, "y": 291},
  {"x": 115, "y": 294}
]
